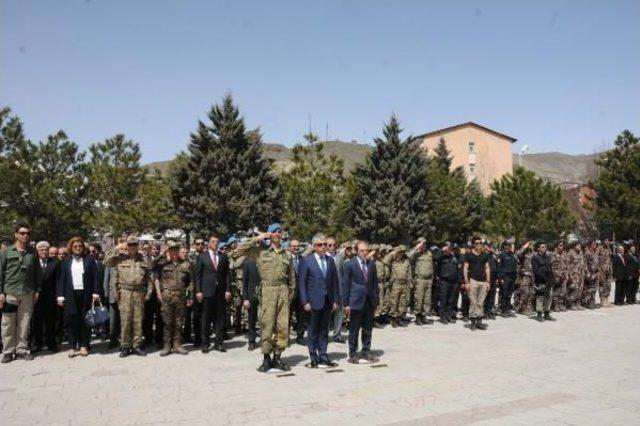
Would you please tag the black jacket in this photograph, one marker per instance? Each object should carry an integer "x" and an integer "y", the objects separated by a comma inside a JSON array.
[
  {"x": 49, "y": 276},
  {"x": 448, "y": 268},
  {"x": 632, "y": 267},
  {"x": 250, "y": 280},
  {"x": 507, "y": 265},
  {"x": 541, "y": 269},
  {"x": 65, "y": 284},
  {"x": 619, "y": 268},
  {"x": 207, "y": 278}
]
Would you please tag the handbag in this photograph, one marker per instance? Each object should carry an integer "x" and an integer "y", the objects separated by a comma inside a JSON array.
[{"x": 96, "y": 315}]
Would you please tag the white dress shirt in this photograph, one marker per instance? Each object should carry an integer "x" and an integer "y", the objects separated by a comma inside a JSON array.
[{"x": 77, "y": 271}]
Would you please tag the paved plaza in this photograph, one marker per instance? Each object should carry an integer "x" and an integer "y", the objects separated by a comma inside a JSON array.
[{"x": 583, "y": 369}]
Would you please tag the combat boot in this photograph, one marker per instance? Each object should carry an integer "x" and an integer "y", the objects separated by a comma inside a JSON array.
[
  {"x": 394, "y": 323},
  {"x": 548, "y": 317},
  {"x": 592, "y": 304},
  {"x": 178, "y": 349},
  {"x": 539, "y": 317},
  {"x": 473, "y": 325},
  {"x": 419, "y": 320},
  {"x": 166, "y": 350},
  {"x": 480, "y": 325},
  {"x": 427, "y": 321},
  {"x": 279, "y": 363},
  {"x": 266, "y": 364}
]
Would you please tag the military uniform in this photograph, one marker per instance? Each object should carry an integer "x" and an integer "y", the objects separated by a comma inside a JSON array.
[
  {"x": 237, "y": 266},
  {"x": 277, "y": 285},
  {"x": 574, "y": 278},
  {"x": 557, "y": 261},
  {"x": 175, "y": 285},
  {"x": 133, "y": 286},
  {"x": 604, "y": 273},
  {"x": 382, "y": 310},
  {"x": 524, "y": 293},
  {"x": 422, "y": 275},
  {"x": 400, "y": 278},
  {"x": 590, "y": 286}
]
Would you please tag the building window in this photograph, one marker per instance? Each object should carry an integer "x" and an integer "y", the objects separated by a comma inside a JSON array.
[
  {"x": 472, "y": 147},
  {"x": 472, "y": 169}
]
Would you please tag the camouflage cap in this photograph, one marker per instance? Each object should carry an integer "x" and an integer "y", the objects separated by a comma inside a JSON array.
[
  {"x": 173, "y": 245},
  {"x": 132, "y": 240},
  {"x": 399, "y": 249}
]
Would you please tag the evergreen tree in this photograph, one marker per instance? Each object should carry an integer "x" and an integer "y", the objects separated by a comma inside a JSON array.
[
  {"x": 525, "y": 206},
  {"x": 153, "y": 209},
  {"x": 312, "y": 190},
  {"x": 390, "y": 203},
  {"x": 225, "y": 183},
  {"x": 618, "y": 188},
  {"x": 115, "y": 177}
]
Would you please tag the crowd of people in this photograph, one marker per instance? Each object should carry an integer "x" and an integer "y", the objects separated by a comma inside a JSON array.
[{"x": 265, "y": 286}]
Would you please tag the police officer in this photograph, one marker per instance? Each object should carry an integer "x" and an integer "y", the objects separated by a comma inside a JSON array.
[
  {"x": 134, "y": 287},
  {"x": 174, "y": 287},
  {"x": 449, "y": 278},
  {"x": 542, "y": 281},
  {"x": 276, "y": 292},
  {"x": 507, "y": 272}
]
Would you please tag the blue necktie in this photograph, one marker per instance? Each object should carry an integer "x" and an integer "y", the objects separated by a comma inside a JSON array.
[{"x": 323, "y": 266}]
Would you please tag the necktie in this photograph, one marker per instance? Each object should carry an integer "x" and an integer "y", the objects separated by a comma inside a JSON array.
[
  {"x": 214, "y": 260},
  {"x": 364, "y": 271},
  {"x": 323, "y": 266}
]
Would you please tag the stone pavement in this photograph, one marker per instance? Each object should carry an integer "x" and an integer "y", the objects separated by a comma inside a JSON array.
[{"x": 583, "y": 369}]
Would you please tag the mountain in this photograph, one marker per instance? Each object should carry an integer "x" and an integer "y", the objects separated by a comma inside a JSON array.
[{"x": 556, "y": 166}]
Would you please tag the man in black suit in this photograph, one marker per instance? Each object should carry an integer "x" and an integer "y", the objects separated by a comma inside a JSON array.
[
  {"x": 296, "y": 306},
  {"x": 620, "y": 274},
  {"x": 360, "y": 299},
  {"x": 45, "y": 312},
  {"x": 318, "y": 290},
  {"x": 212, "y": 287}
]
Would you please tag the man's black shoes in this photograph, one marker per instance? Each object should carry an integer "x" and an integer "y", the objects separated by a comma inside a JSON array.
[
  {"x": 327, "y": 362},
  {"x": 548, "y": 317},
  {"x": 252, "y": 346},
  {"x": 125, "y": 353},
  {"x": 6, "y": 358},
  {"x": 266, "y": 364},
  {"x": 138, "y": 351},
  {"x": 218, "y": 347}
]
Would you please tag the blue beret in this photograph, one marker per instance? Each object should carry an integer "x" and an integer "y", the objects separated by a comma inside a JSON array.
[
  {"x": 274, "y": 227},
  {"x": 231, "y": 240},
  {"x": 222, "y": 245}
]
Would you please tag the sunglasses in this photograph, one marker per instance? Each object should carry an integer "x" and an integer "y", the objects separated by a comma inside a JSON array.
[
  {"x": 331, "y": 245},
  {"x": 24, "y": 233},
  {"x": 321, "y": 244}
]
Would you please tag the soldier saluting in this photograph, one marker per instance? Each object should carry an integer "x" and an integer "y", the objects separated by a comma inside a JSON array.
[{"x": 134, "y": 287}]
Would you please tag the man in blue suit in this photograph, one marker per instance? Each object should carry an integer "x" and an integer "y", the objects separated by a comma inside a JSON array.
[
  {"x": 360, "y": 298},
  {"x": 318, "y": 286}
]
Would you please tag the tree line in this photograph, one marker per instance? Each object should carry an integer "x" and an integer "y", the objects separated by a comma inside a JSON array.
[{"x": 223, "y": 182}]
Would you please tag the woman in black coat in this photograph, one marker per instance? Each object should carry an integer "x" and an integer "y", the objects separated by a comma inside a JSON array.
[{"x": 77, "y": 290}]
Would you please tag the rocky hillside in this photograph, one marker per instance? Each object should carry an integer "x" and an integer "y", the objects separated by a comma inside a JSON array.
[{"x": 555, "y": 166}]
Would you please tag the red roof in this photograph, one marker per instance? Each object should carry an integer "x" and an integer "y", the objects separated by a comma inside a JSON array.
[{"x": 470, "y": 123}]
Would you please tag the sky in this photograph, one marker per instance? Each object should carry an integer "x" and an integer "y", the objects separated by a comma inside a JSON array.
[{"x": 557, "y": 75}]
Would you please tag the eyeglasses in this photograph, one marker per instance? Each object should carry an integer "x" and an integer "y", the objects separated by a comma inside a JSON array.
[
  {"x": 24, "y": 232},
  {"x": 331, "y": 244},
  {"x": 321, "y": 244}
]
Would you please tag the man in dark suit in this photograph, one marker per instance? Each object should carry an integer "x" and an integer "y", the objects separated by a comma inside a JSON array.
[
  {"x": 319, "y": 292},
  {"x": 360, "y": 299},
  {"x": 296, "y": 306},
  {"x": 45, "y": 312},
  {"x": 212, "y": 287},
  {"x": 620, "y": 274}
]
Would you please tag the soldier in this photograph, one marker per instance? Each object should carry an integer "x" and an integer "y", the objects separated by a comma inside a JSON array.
[
  {"x": 237, "y": 267},
  {"x": 193, "y": 313},
  {"x": 574, "y": 274},
  {"x": 400, "y": 276},
  {"x": 557, "y": 261},
  {"x": 542, "y": 282},
  {"x": 524, "y": 294},
  {"x": 604, "y": 273},
  {"x": 173, "y": 288},
  {"x": 134, "y": 287},
  {"x": 591, "y": 276},
  {"x": 276, "y": 291},
  {"x": 422, "y": 274},
  {"x": 490, "y": 299}
]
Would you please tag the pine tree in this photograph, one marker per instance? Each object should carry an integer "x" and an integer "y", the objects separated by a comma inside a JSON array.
[
  {"x": 312, "y": 190},
  {"x": 225, "y": 183},
  {"x": 525, "y": 206},
  {"x": 390, "y": 203},
  {"x": 618, "y": 188}
]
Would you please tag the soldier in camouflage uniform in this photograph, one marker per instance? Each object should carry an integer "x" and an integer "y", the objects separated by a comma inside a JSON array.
[
  {"x": 173, "y": 288},
  {"x": 276, "y": 292},
  {"x": 574, "y": 275},
  {"x": 236, "y": 265},
  {"x": 592, "y": 268},
  {"x": 421, "y": 260},
  {"x": 524, "y": 295},
  {"x": 134, "y": 287},
  {"x": 604, "y": 272},
  {"x": 557, "y": 259},
  {"x": 378, "y": 251},
  {"x": 400, "y": 276}
]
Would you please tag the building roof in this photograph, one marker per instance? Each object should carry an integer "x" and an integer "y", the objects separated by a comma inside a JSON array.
[{"x": 460, "y": 126}]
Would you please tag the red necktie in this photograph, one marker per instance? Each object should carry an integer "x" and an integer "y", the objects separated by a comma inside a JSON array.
[{"x": 214, "y": 261}]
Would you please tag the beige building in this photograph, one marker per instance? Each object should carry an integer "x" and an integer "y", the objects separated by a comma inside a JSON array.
[{"x": 484, "y": 154}]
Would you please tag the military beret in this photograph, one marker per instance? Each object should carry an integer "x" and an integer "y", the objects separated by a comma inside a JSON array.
[
  {"x": 222, "y": 246},
  {"x": 232, "y": 240},
  {"x": 132, "y": 240},
  {"x": 274, "y": 227}
]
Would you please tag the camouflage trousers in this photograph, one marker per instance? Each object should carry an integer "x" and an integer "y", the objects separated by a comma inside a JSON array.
[
  {"x": 131, "y": 304},
  {"x": 172, "y": 310},
  {"x": 274, "y": 319},
  {"x": 560, "y": 296},
  {"x": 523, "y": 296},
  {"x": 422, "y": 296},
  {"x": 543, "y": 301},
  {"x": 238, "y": 314},
  {"x": 383, "y": 297},
  {"x": 574, "y": 293},
  {"x": 399, "y": 298},
  {"x": 589, "y": 290},
  {"x": 604, "y": 287}
]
